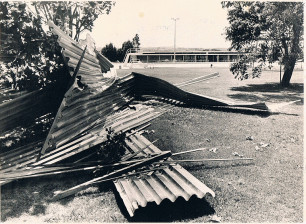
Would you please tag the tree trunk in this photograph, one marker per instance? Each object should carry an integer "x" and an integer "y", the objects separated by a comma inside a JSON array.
[
  {"x": 288, "y": 72},
  {"x": 291, "y": 57}
]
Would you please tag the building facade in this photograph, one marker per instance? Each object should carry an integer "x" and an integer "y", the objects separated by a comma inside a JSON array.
[{"x": 138, "y": 55}]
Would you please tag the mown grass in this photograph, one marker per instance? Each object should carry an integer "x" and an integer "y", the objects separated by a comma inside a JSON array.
[{"x": 268, "y": 189}]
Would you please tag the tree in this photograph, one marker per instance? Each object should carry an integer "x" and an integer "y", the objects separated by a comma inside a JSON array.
[
  {"x": 110, "y": 52},
  {"x": 125, "y": 47},
  {"x": 34, "y": 57},
  {"x": 33, "y": 53},
  {"x": 136, "y": 42},
  {"x": 120, "y": 55},
  {"x": 265, "y": 32},
  {"x": 120, "y": 52},
  {"x": 72, "y": 16}
]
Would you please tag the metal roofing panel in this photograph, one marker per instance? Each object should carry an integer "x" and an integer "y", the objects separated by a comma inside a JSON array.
[
  {"x": 91, "y": 105},
  {"x": 87, "y": 102},
  {"x": 169, "y": 182},
  {"x": 72, "y": 50},
  {"x": 131, "y": 119}
]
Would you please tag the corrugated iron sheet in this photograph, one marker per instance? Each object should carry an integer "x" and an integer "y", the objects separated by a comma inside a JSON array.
[
  {"x": 168, "y": 182},
  {"x": 128, "y": 120},
  {"x": 152, "y": 86},
  {"x": 85, "y": 101},
  {"x": 92, "y": 65},
  {"x": 25, "y": 108},
  {"x": 97, "y": 100},
  {"x": 92, "y": 99}
]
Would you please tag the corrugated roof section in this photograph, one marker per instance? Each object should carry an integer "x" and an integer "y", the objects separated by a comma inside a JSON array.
[
  {"x": 25, "y": 108},
  {"x": 86, "y": 101},
  {"x": 168, "y": 182},
  {"x": 122, "y": 121},
  {"x": 92, "y": 98},
  {"x": 152, "y": 86},
  {"x": 72, "y": 49}
]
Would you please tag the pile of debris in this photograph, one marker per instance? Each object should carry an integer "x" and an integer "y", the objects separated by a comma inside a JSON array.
[{"x": 99, "y": 108}]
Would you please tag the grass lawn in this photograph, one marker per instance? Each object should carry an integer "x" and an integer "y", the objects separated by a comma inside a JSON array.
[{"x": 268, "y": 189}]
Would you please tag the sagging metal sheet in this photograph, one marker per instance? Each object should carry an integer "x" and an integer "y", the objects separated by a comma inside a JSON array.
[{"x": 146, "y": 85}]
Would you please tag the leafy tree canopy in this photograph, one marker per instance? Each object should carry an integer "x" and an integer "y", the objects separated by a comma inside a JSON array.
[
  {"x": 110, "y": 51},
  {"x": 73, "y": 16},
  {"x": 31, "y": 52},
  {"x": 114, "y": 54},
  {"x": 125, "y": 47},
  {"x": 265, "y": 32},
  {"x": 136, "y": 41},
  {"x": 31, "y": 58}
]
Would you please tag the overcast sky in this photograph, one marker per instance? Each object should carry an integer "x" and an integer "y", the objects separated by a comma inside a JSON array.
[{"x": 201, "y": 23}]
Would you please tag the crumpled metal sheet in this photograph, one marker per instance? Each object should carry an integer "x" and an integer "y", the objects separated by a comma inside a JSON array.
[
  {"x": 123, "y": 120},
  {"x": 129, "y": 119},
  {"x": 94, "y": 96},
  {"x": 25, "y": 108},
  {"x": 170, "y": 182},
  {"x": 95, "y": 101},
  {"x": 152, "y": 86},
  {"x": 92, "y": 102},
  {"x": 86, "y": 100},
  {"x": 73, "y": 50}
]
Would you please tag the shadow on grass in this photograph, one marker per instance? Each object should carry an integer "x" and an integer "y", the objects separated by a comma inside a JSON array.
[
  {"x": 168, "y": 211},
  {"x": 269, "y": 97},
  {"x": 230, "y": 109},
  {"x": 270, "y": 87},
  {"x": 238, "y": 110},
  {"x": 271, "y": 92},
  {"x": 195, "y": 167},
  {"x": 33, "y": 195}
]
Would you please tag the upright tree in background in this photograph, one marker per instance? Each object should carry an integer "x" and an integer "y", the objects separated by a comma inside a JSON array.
[
  {"x": 136, "y": 41},
  {"x": 110, "y": 51},
  {"x": 33, "y": 54},
  {"x": 125, "y": 47},
  {"x": 120, "y": 55},
  {"x": 73, "y": 16},
  {"x": 265, "y": 32},
  {"x": 34, "y": 57}
]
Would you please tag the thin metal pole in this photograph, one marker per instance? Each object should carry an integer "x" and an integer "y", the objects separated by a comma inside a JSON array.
[
  {"x": 280, "y": 70},
  {"x": 202, "y": 160},
  {"x": 280, "y": 73},
  {"x": 188, "y": 151},
  {"x": 174, "y": 37}
]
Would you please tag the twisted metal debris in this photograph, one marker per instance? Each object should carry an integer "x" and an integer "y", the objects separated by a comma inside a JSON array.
[{"x": 95, "y": 101}]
